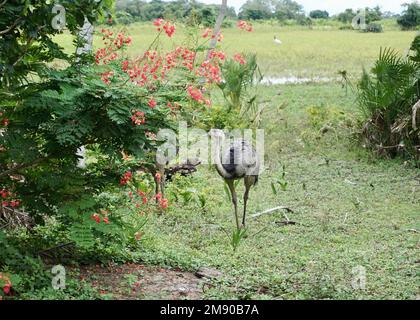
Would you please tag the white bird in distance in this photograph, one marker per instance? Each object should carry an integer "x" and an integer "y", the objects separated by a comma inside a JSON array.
[{"x": 277, "y": 41}]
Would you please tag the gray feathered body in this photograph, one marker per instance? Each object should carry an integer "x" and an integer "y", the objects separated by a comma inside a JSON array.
[{"x": 239, "y": 159}]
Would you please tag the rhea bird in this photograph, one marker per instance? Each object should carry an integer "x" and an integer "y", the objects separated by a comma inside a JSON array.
[{"x": 238, "y": 160}]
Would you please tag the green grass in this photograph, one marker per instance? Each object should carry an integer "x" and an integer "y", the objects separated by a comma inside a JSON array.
[
  {"x": 317, "y": 52},
  {"x": 351, "y": 210}
]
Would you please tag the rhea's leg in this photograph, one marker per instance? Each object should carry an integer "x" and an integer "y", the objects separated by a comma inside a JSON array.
[
  {"x": 249, "y": 181},
  {"x": 231, "y": 186}
]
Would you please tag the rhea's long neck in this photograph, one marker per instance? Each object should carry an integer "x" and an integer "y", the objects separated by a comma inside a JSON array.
[{"x": 217, "y": 157}]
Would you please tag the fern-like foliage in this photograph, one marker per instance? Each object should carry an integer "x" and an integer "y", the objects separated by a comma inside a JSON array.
[
  {"x": 386, "y": 97},
  {"x": 238, "y": 83}
]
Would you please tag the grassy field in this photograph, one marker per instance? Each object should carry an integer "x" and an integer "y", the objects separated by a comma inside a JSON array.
[
  {"x": 319, "y": 52},
  {"x": 351, "y": 209}
]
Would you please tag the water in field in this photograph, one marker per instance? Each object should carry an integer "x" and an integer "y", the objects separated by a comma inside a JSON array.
[{"x": 295, "y": 80}]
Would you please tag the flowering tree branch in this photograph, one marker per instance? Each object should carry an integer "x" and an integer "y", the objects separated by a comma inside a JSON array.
[
  {"x": 22, "y": 166},
  {"x": 12, "y": 27}
]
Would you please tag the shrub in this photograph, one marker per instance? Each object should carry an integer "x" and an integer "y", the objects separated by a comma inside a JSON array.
[
  {"x": 319, "y": 14},
  {"x": 374, "y": 27},
  {"x": 387, "y": 97},
  {"x": 239, "y": 76},
  {"x": 124, "y": 17},
  {"x": 410, "y": 18}
]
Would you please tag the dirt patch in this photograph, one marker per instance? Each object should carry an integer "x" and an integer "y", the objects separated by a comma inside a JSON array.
[{"x": 136, "y": 281}]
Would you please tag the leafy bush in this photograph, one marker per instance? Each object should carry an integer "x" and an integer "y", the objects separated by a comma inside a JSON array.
[
  {"x": 124, "y": 17},
  {"x": 108, "y": 103},
  {"x": 113, "y": 105},
  {"x": 410, "y": 18},
  {"x": 319, "y": 14},
  {"x": 374, "y": 27},
  {"x": 387, "y": 97},
  {"x": 239, "y": 76},
  {"x": 218, "y": 117},
  {"x": 326, "y": 116}
]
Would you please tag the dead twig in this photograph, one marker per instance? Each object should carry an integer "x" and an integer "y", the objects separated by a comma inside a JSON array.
[
  {"x": 413, "y": 230},
  {"x": 11, "y": 218},
  {"x": 273, "y": 210},
  {"x": 53, "y": 251},
  {"x": 345, "y": 218}
]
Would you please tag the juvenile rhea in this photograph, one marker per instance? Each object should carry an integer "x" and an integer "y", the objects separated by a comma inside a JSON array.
[{"x": 239, "y": 160}]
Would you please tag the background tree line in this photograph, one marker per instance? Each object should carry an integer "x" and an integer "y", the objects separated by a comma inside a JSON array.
[
  {"x": 282, "y": 10},
  {"x": 139, "y": 10}
]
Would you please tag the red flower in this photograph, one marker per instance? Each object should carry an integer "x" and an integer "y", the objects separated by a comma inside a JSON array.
[
  {"x": 206, "y": 33},
  {"x": 169, "y": 29},
  {"x": 243, "y": 25},
  {"x": 158, "y": 22},
  {"x": 157, "y": 176},
  {"x": 105, "y": 77},
  {"x": 195, "y": 93},
  {"x": 96, "y": 217},
  {"x": 106, "y": 220},
  {"x": 163, "y": 203},
  {"x": 6, "y": 288},
  {"x": 125, "y": 178},
  {"x": 125, "y": 65},
  {"x": 5, "y": 122},
  {"x": 152, "y": 103},
  {"x": 138, "y": 118},
  {"x": 239, "y": 58}
]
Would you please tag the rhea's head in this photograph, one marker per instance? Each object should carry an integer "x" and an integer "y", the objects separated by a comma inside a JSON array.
[{"x": 217, "y": 134}]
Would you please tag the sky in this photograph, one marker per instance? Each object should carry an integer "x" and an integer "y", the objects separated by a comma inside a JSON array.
[{"x": 332, "y": 6}]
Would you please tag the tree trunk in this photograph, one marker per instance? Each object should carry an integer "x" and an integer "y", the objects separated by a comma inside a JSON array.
[
  {"x": 86, "y": 34},
  {"x": 217, "y": 27}
]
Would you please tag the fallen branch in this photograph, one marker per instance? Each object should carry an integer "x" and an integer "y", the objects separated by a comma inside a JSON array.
[
  {"x": 413, "y": 230},
  {"x": 47, "y": 252},
  {"x": 21, "y": 166},
  {"x": 345, "y": 218},
  {"x": 11, "y": 218},
  {"x": 12, "y": 27},
  {"x": 273, "y": 210},
  {"x": 285, "y": 223}
]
